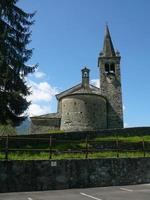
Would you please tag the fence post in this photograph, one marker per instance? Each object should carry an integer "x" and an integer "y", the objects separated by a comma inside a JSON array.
[
  {"x": 86, "y": 154},
  {"x": 117, "y": 145},
  {"x": 50, "y": 147},
  {"x": 6, "y": 148},
  {"x": 1, "y": 145},
  {"x": 143, "y": 145}
]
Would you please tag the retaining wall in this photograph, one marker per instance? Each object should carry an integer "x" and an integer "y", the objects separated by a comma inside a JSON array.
[
  {"x": 63, "y": 174},
  {"x": 135, "y": 131}
]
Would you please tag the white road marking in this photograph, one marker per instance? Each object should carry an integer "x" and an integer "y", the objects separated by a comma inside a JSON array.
[
  {"x": 89, "y": 196},
  {"x": 147, "y": 184},
  {"x": 144, "y": 190},
  {"x": 125, "y": 189},
  {"x": 30, "y": 198}
]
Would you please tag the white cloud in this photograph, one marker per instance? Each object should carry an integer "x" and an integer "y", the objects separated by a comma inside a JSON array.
[
  {"x": 42, "y": 94},
  {"x": 126, "y": 125},
  {"x": 42, "y": 91},
  {"x": 95, "y": 82},
  {"x": 124, "y": 108},
  {"x": 39, "y": 74},
  {"x": 41, "y": 97},
  {"x": 35, "y": 110}
]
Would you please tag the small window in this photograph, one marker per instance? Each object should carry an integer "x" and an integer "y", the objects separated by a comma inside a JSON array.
[
  {"x": 75, "y": 103},
  {"x": 106, "y": 67},
  {"x": 112, "y": 68},
  {"x": 85, "y": 74}
]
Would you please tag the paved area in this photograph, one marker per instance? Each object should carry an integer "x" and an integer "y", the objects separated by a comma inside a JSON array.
[{"x": 134, "y": 192}]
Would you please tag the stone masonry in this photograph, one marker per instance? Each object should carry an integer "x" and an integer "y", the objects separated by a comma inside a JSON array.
[
  {"x": 17, "y": 176},
  {"x": 110, "y": 82}
]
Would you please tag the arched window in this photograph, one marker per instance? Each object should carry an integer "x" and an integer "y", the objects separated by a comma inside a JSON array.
[
  {"x": 85, "y": 74},
  {"x": 112, "y": 68},
  {"x": 106, "y": 67}
]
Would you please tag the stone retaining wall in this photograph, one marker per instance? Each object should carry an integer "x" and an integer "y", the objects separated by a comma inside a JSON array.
[
  {"x": 63, "y": 174},
  {"x": 135, "y": 131}
]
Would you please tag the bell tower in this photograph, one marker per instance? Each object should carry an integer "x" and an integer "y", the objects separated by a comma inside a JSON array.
[{"x": 110, "y": 81}]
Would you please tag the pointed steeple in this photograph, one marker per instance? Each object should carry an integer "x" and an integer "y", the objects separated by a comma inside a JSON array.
[{"x": 108, "y": 48}]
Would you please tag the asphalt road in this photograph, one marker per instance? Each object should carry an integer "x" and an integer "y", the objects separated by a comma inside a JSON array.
[{"x": 134, "y": 192}]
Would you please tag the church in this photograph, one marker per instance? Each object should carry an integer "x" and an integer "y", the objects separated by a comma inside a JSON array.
[{"x": 85, "y": 107}]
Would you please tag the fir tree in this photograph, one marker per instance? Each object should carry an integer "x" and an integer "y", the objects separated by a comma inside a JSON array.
[{"x": 14, "y": 37}]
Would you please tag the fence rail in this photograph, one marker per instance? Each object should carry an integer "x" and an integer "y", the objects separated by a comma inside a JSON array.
[{"x": 6, "y": 143}]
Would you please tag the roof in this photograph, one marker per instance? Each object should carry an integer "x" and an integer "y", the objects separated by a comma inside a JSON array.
[
  {"x": 79, "y": 89},
  {"x": 108, "y": 48},
  {"x": 49, "y": 116}
]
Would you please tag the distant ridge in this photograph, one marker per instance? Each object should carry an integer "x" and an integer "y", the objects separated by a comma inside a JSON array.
[{"x": 23, "y": 129}]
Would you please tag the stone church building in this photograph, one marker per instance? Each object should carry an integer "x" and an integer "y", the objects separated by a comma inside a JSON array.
[{"x": 85, "y": 107}]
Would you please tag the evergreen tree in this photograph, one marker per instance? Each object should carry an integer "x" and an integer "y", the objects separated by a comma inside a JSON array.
[
  {"x": 7, "y": 130},
  {"x": 14, "y": 37}
]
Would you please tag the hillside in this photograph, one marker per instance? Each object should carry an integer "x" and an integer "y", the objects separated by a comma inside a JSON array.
[{"x": 23, "y": 129}]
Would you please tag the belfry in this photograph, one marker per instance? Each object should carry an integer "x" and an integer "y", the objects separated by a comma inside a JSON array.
[{"x": 110, "y": 82}]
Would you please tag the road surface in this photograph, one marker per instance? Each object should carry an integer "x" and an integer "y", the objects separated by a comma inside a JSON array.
[{"x": 134, "y": 192}]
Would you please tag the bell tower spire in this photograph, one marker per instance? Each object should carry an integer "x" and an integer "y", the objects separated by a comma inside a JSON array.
[
  {"x": 108, "y": 48},
  {"x": 110, "y": 81}
]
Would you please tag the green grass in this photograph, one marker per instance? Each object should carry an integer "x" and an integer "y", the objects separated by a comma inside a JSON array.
[
  {"x": 45, "y": 156},
  {"x": 132, "y": 141},
  {"x": 124, "y": 139},
  {"x": 55, "y": 131}
]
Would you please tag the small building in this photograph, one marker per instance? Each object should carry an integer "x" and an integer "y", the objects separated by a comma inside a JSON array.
[{"x": 85, "y": 107}]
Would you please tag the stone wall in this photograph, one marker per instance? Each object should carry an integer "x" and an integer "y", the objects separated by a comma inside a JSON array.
[
  {"x": 43, "y": 125},
  {"x": 111, "y": 89},
  {"x": 63, "y": 174},
  {"x": 82, "y": 112},
  {"x": 135, "y": 131}
]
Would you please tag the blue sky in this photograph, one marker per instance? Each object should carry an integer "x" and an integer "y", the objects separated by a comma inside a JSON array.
[{"x": 68, "y": 34}]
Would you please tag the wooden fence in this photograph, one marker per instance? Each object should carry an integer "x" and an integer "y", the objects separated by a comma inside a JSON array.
[{"x": 7, "y": 145}]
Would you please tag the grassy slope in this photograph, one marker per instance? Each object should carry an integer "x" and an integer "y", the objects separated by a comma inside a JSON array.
[{"x": 96, "y": 143}]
